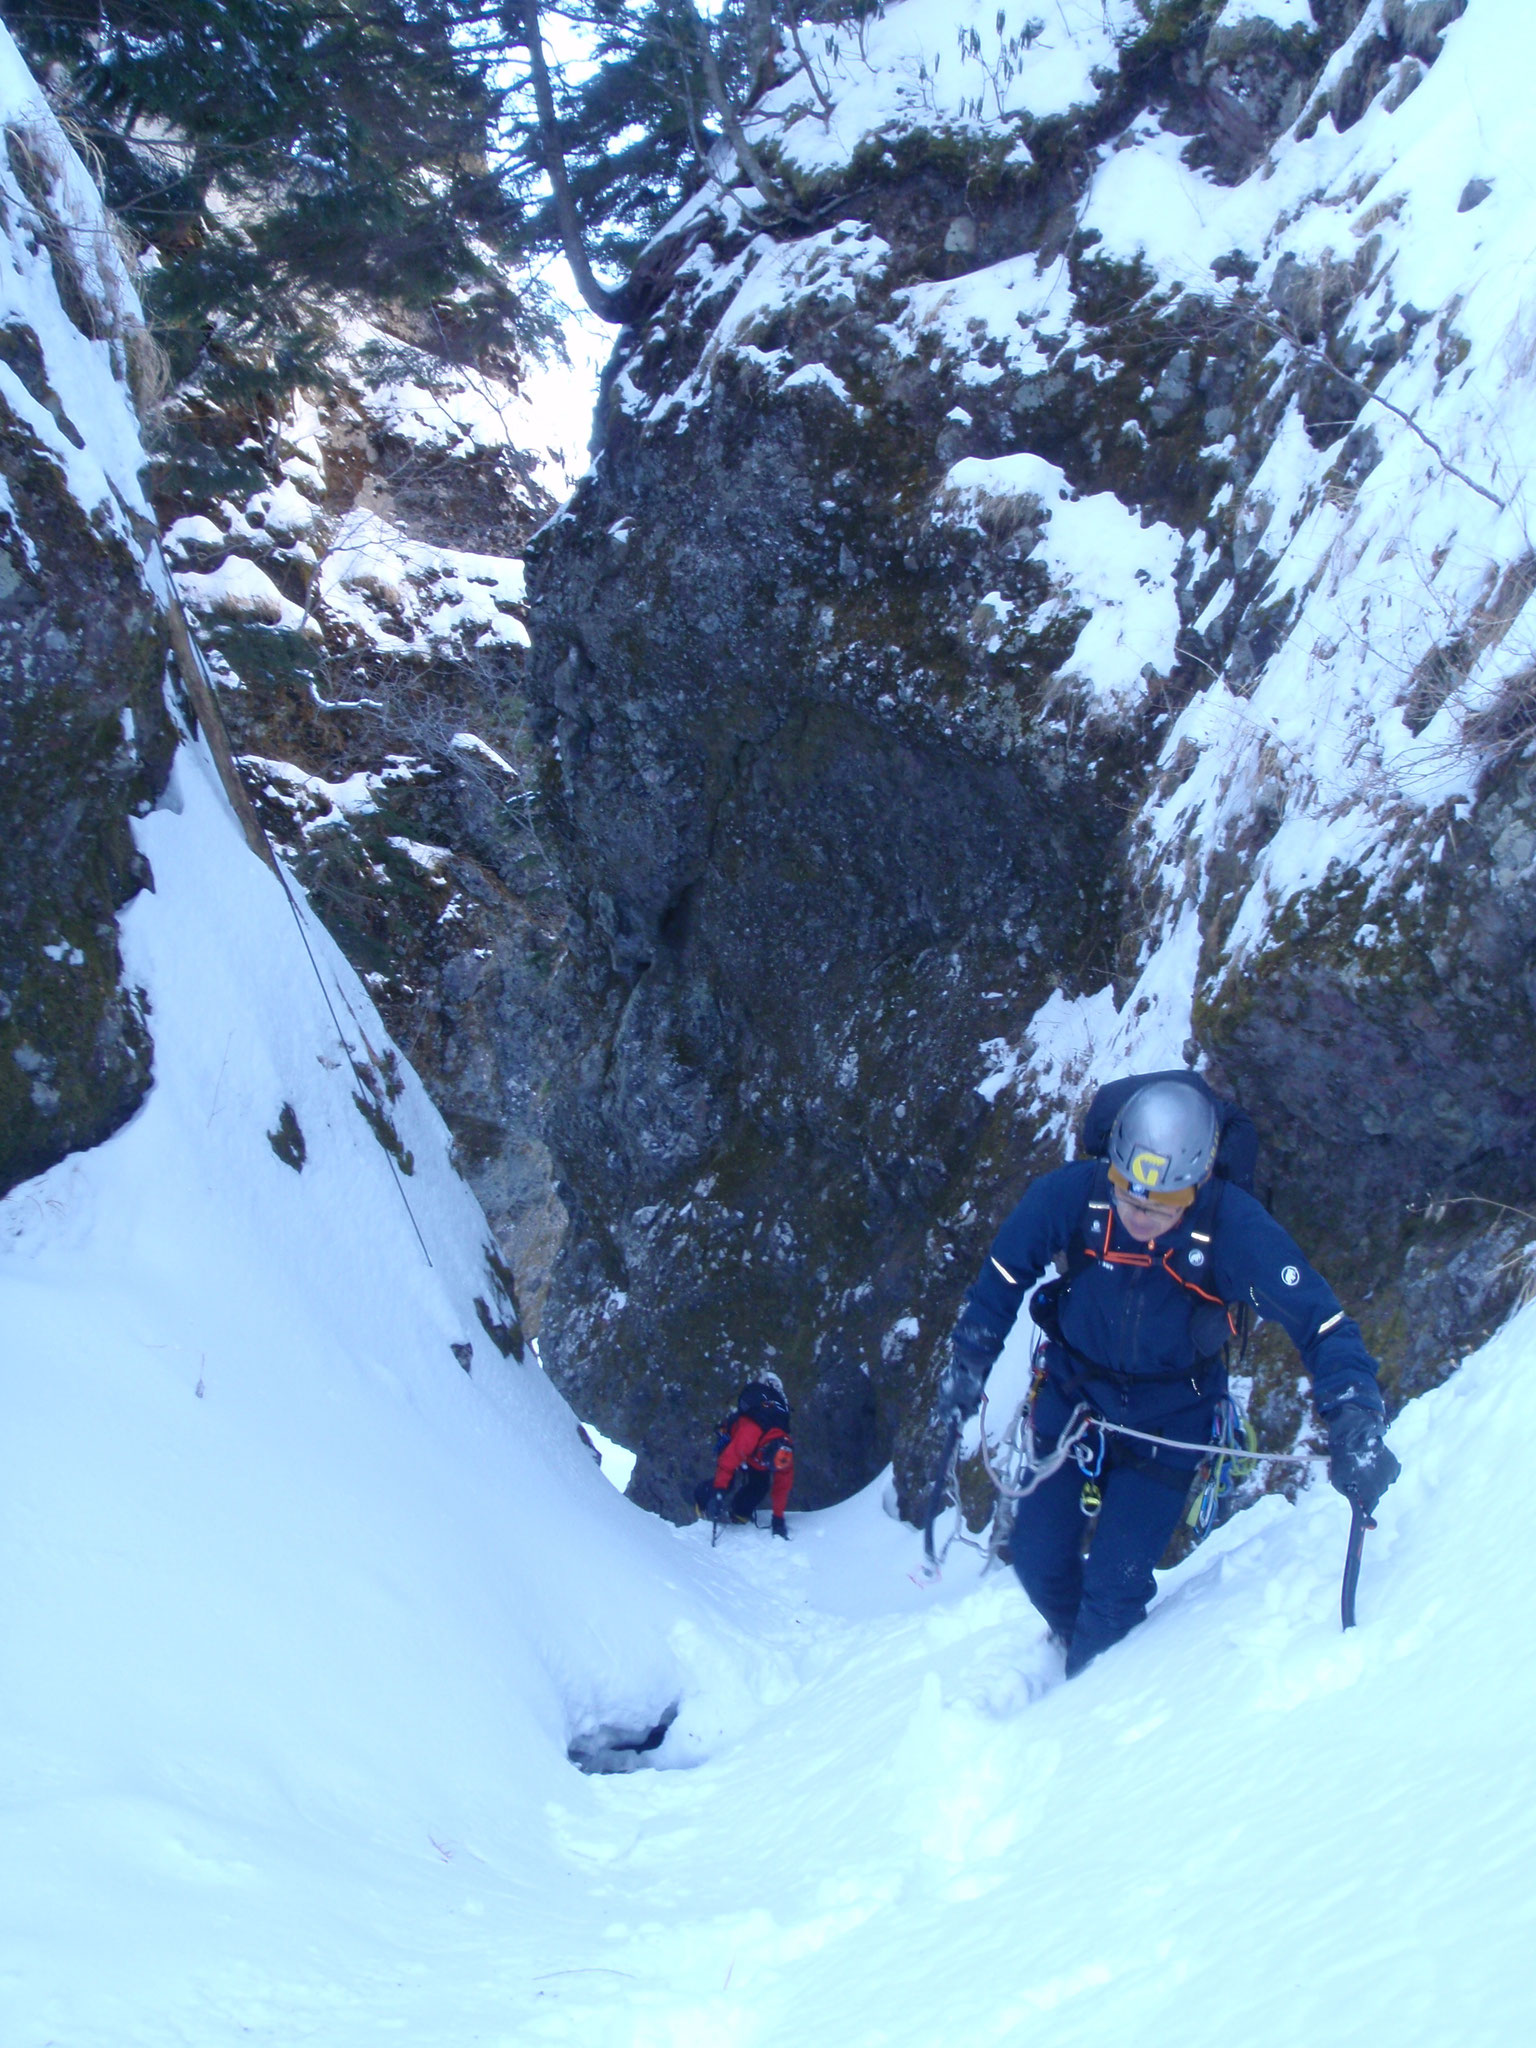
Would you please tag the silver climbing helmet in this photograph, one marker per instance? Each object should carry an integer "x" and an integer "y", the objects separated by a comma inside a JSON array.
[
  {"x": 1163, "y": 1144},
  {"x": 771, "y": 1379}
]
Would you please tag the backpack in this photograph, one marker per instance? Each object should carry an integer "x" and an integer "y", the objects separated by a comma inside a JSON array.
[
  {"x": 1237, "y": 1148},
  {"x": 760, "y": 1404},
  {"x": 770, "y": 1411}
]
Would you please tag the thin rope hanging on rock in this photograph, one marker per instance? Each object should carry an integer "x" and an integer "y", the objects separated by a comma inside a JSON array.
[{"x": 198, "y": 677}]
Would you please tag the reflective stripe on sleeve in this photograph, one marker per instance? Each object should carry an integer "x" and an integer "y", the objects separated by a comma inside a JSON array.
[
  {"x": 1324, "y": 1328},
  {"x": 1005, "y": 1273}
]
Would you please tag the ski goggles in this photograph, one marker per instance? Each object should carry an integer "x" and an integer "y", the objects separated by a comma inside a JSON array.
[{"x": 1151, "y": 1198}]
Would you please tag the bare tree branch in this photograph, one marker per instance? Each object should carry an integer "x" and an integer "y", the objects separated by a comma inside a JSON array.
[
  {"x": 607, "y": 305},
  {"x": 736, "y": 135},
  {"x": 1325, "y": 361},
  {"x": 815, "y": 83}
]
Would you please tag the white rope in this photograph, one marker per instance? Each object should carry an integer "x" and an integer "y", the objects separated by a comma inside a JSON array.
[{"x": 1236, "y": 1452}]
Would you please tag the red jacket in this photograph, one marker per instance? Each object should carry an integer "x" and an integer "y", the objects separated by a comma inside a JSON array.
[{"x": 765, "y": 1451}]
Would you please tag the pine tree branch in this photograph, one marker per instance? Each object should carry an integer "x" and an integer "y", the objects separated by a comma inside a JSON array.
[{"x": 607, "y": 305}]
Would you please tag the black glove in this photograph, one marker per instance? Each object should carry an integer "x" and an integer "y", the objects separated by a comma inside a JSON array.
[
  {"x": 960, "y": 1388},
  {"x": 781, "y": 1527},
  {"x": 714, "y": 1507},
  {"x": 1359, "y": 1463}
]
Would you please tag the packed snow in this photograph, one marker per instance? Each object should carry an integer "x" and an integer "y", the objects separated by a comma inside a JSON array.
[
  {"x": 1101, "y": 561},
  {"x": 405, "y": 596},
  {"x": 962, "y": 65}
]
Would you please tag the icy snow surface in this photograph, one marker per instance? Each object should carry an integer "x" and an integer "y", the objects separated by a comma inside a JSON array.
[
  {"x": 908, "y": 68},
  {"x": 406, "y": 595},
  {"x": 83, "y": 375}
]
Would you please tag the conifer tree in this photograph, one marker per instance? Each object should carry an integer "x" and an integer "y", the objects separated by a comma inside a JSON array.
[{"x": 286, "y": 158}]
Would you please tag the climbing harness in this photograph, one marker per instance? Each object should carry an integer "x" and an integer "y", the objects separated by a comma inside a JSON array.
[
  {"x": 1016, "y": 1468},
  {"x": 1020, "y": 1454},
  {"x": 1019, "y": 1439}
]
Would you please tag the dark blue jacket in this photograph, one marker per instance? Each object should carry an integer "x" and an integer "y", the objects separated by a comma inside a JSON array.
[{"x": 1143, "y": 1323}]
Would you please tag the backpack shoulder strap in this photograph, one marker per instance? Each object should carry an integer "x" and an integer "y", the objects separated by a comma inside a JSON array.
[
  {"x": 1079, "y": 1252},
  {"x": 1045, "y": 1302}
]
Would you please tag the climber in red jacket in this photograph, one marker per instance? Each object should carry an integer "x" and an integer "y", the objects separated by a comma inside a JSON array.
[{"x": 753, "y": 1441}]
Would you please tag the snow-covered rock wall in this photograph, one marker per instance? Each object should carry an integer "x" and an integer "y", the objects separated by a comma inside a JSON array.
[
  {"x": 353, "y": 562},
  {"x": 85, "y": 740},
  {"x": 1052, "y": 597}
]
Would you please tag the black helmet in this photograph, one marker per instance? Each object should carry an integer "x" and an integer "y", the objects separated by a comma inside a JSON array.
[{"x": 1164, "y": 1141}]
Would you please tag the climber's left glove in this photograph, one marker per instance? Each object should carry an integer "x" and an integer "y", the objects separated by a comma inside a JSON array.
[{"x": 1359, "y": 1463}]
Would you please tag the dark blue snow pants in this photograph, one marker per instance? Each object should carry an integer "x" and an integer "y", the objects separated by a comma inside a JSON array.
[
  {"x": 1092, "y": 1602},
  {"x": 751, "y": 1491}
]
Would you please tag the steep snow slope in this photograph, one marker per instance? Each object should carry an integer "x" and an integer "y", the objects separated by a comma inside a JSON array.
[
  {"x": 281, "y": 1580},
  {"x": 1238, "y": 1825},
  {"x": 300, "y": 1550}
]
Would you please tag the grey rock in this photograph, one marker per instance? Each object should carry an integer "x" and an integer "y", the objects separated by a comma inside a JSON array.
[{"x": 82, "y": 649}]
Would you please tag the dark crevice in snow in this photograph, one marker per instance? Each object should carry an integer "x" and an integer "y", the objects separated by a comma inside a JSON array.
[{"x": 609, "y": 1748}]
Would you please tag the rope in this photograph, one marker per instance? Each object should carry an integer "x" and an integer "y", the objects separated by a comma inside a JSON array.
[
  {"x": 1079, "y": 1423},
  {"x": 200, "y": 686},
  {"x": 1236, "y": 1453},
  {"x": 394, "y": 1171}
]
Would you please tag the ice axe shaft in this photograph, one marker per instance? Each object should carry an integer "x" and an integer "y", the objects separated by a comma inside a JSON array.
[
  {"x": 1359, "y": 1522},
  {"x": 938, "y": 1493}
]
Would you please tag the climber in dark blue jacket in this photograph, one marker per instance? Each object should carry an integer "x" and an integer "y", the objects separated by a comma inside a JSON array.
[{"x": 1157, "y": 1249}]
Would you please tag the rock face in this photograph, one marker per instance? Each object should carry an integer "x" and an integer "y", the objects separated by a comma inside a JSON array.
[
  {"x": 875, "y": 666},
  {"x": 353, "y": 564},
  {"x": 85, "y": 737},
  {"x": 818, "y": 821}
]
